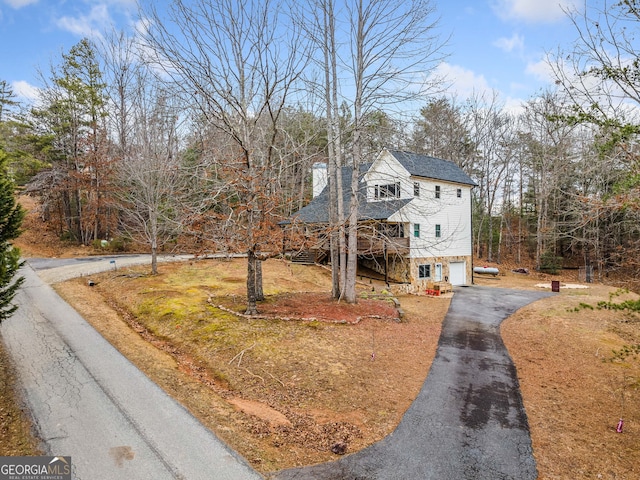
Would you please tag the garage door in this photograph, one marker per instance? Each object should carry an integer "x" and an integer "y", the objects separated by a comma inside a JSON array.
[{"x": 458, "y": 273}]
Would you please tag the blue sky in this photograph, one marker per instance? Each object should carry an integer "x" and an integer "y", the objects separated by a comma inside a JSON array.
[{"x": 495, "y": 44}]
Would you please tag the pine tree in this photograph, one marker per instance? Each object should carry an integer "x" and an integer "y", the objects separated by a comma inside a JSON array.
[{"x": 11, "y": 215}]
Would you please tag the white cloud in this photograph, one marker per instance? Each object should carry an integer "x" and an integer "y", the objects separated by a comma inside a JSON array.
[
  {"x": 509, "y": 45},
  {"x": 514, "y": 106},
  {"x": 19, "y": 3},
  {"x": 541, "y": 71},
  {"x": 534, "y": 10},
  {"x": 89, "y": 25},
  {"x": 25, "y": 90},
  {"x": 463, "y": 82}
]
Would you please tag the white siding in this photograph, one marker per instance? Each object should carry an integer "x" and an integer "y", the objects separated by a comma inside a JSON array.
[
  {"x": 453, "y": 214},
  {"x": 386, "y": 170}
]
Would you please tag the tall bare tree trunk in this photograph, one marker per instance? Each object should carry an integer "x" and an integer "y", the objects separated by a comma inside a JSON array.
[
  {"x": 259, "y": 289},
  {"x": 329, "y": 63},
  {"x": 334, "y": 150},
  {"x": 350, "y": 295},
  {"x": 252, "y": 308}
]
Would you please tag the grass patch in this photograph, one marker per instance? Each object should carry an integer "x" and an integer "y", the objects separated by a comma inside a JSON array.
[{"x": 581, "y": 306}]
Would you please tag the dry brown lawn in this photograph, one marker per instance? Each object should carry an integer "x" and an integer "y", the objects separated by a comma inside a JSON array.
[
  {"x": 280, "y": 392},
  {"x": 16, "y": 436},
  {"x": 573, "y": 391}
]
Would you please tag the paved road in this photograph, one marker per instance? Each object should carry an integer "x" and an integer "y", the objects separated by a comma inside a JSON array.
[
  {"x": 89, "y": 402},
  {"x": 54, "y": 270},
  {"x": 468, "y": 421}
]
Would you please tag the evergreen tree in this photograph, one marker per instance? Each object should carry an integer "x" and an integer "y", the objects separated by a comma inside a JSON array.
[{"x": 11, "y": 215}]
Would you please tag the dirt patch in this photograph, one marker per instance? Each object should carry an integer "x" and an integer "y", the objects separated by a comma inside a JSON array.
[
  {"x": 16, "y": 436},
  {"x": 259, "y": 410},
  {"x": 306, "y": 306}
]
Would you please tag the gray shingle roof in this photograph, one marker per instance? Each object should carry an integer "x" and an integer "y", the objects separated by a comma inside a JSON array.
[
  {"x": 431, "y": 167},
  {"x": 317, "y": 211}
]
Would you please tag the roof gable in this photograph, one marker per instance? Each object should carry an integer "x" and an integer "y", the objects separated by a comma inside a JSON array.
[{"x": 384, "y": 162}]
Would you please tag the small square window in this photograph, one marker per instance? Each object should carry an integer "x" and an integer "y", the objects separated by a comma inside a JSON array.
[
  {"x": 416, "y": 230},
  {"x": 459, "y": 193},
  {"x": 437, "y": 191},
  {"x": 416, "y": 189},
  {"x": 438, "y": 231},
  {"x": 424, "y": 271}
]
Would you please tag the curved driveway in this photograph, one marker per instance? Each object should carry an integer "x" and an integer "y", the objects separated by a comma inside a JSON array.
[
  {"x": 91, "y": 403},
  {"x": 468, "y": 421}
]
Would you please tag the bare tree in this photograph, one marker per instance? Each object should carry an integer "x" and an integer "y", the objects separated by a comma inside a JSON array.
[
  {"x": 601, "y": 74},
  {"x": 237, "y": 63},
  {"x": 393, "y": 47},
  {"x": 123, "y": 71},
  {"x": 376, "y": 56},
  {"x": 491, "y": 136},
  {"x": 551, "y": 162},
  {"x": 152, "y": 180},
  {"x": 319, "y": 24}
]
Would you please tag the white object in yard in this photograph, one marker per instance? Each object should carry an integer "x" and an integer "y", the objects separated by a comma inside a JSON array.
[{"x": 488, "y": 270}]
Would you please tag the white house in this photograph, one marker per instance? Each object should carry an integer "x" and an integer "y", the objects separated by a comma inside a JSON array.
[{"x": 414, "y": 217}]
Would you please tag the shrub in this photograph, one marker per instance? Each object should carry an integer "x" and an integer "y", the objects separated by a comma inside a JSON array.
[{"x": 550, "y": 263}]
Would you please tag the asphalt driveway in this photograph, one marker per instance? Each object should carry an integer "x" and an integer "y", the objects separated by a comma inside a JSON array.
[{"x": 468, "y": 421}]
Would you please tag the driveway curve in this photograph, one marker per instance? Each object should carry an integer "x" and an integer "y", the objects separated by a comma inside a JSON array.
[
  {"x": 468, "y": 421},
  {"x": 91, "y": 403}
]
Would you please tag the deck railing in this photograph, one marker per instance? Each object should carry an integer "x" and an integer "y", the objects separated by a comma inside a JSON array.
[{"x": 393, "y": 245}]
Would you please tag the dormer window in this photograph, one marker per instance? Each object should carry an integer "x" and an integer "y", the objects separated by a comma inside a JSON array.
[{"x": 390, "y": 190}]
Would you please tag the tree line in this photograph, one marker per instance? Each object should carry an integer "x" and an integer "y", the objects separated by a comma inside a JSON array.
[{"x": 206, "y": 124}]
